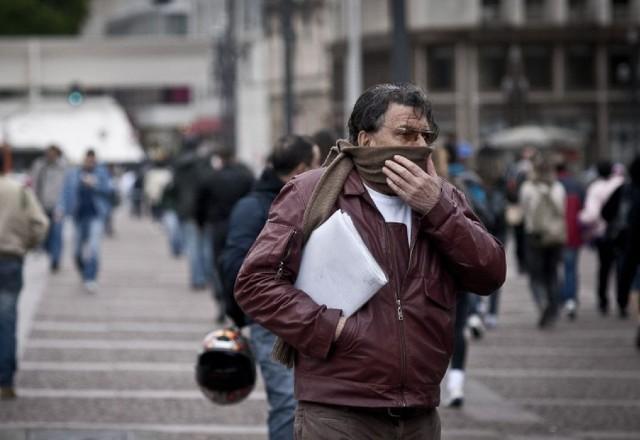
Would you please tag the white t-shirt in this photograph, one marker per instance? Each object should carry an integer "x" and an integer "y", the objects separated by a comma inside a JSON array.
[{"x": 393, "y": 209}]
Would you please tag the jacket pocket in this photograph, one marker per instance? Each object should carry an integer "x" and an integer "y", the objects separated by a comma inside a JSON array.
[{"x": 345, "y": 341}]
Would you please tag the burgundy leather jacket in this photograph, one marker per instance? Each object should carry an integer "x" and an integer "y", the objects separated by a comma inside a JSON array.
[{"x": 395, "y": 350}]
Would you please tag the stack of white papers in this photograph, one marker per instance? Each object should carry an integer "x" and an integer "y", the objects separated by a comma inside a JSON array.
[{"x": 337, "y": 269}]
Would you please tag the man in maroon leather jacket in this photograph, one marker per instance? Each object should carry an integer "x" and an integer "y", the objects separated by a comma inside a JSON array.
[{"x": 376, "y": 374}]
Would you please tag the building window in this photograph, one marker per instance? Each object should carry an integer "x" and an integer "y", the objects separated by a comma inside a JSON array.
[
  {"x": 376, "y": 67},
  {"x": 176, "y": 24},
  {"x": 490, "y": 10},
  {"x": 580, "y": 67},
  {"x": 619, "y": 67},
  {"x": 620, "y": 10},
  {"x": 441, "y": 68},
  {"x": 535, "y": 11},
  {"x": 492, "y": 65},
  {"x": 579, "y": 11},
  {"x": 537, "y": 66}
]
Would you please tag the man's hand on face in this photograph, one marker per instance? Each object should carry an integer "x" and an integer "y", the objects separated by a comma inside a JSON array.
[{"x": 419, "y": 188}]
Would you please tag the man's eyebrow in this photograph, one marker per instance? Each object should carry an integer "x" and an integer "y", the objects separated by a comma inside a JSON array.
[{"x": 413, "y": 127}]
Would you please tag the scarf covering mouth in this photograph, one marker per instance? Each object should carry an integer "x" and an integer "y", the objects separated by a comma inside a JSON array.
[
  {"x": 342, "y": 158},
  {"x": 370, "y": 160}
]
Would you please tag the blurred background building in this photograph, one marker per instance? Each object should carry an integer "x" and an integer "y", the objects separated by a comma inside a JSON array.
[{"x": 249, "y": 70}]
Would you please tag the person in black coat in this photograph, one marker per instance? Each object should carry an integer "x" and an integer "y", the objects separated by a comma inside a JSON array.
[
  {"x": 224, "y": 183},
  {"x": 624, "y": 214},
  {"x": 291, "y": 155}
]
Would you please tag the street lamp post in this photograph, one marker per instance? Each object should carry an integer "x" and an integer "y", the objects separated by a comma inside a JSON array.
[
  {"x": 400, "y": 43},
  {"x": 288, "y": 37},
  {"x": 633, "y": 38}
]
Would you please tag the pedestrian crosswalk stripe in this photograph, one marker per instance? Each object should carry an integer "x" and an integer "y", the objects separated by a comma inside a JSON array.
[
  {"x": 65, "y": 393},
  {"x": 106, "y": 327}
]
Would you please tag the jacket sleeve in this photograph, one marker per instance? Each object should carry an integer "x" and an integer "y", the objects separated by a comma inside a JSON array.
[
  {"x": 475, "y": 257},
  {"x": 37, "y": 220},
  {"x": 264, "y": 287},
  {"x": 245, "y": 223}
]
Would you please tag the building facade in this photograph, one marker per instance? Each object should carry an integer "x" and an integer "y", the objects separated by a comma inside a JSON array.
[{"x": 486, "y": 64}]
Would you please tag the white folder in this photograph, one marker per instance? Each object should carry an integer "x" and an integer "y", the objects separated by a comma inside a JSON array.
[{"x": 337, "y": 268}]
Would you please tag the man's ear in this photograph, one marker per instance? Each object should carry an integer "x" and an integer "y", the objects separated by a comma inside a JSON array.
[{"x": 364, "y": 140}]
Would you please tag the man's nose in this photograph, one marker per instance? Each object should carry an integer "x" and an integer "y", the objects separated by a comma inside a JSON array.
[{"x": 419, "y": 142}]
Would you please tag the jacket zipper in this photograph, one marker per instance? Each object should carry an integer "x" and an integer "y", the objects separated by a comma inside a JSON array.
[
  {"x": 284, "y": 259},
  {"x": 400, "y": 315}
]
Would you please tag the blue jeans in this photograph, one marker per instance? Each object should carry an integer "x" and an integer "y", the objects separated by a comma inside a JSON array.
[
  {"x": 53, "y": 242},
  {"x": 171, "y": 224},
  {"x": 10, "y": 286},
  {"x": 569, "y": 289},
  {"x": 87, "y": 253},
  {"x": 199, "y": 246},
  {"x": 278, "y": 381}
]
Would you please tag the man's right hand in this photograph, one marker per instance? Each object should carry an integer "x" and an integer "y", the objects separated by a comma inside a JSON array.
[{"x": 341, "y": 322}]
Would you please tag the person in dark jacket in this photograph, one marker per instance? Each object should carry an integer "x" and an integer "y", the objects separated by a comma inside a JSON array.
[
  {"x": 627, "y": 209},
  {"x": 188, "y": 170},
  {"x": 377, "y": 373},
  {"x": 573, "y": 205},
  {"x": 224, "y": 182},
  {"x": 291, "y": 155}
]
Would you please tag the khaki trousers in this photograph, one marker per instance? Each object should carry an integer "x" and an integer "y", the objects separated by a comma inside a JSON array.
[{"x": 315, "y": 421}]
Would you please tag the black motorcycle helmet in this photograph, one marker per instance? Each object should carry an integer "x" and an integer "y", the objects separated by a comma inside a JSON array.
[{"x": 226, "y": 368}]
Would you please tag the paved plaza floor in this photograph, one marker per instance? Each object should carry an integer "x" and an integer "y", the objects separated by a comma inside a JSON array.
[{"x": 119, "y": 364}]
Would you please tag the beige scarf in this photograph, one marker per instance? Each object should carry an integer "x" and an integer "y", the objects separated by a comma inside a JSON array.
[{"x": 368, "y": 161}]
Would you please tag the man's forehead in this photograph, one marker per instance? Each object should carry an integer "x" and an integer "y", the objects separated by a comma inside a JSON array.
[{"x": 398, "y": 114}]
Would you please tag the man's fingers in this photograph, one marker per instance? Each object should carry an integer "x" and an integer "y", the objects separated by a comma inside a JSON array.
[
  {"x": 431, "y": 167},
  {"x": 398, "y": 169},
  {"x": 412, "y": 167},
  {"x": 401, "y": 193}
]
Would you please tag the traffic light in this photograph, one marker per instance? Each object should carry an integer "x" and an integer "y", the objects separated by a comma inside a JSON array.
[{"x": 75, "y": 97}]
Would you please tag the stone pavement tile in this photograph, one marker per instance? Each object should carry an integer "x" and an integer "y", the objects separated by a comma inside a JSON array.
[
  {"x": 184, "y": 436},
  {"x": 522, "y": 387},
  {"x": 88, "y": 355},
  {"x": 109, "y": 380},
  {"x": 12, "y": 434},
  {"x": 482, "y": 404},
  {"x": 625, "y": 419},
  {"x": 122, "y": 411},
  {"x": 185, "y": 335},
  {"x": 76, "y": 435}
]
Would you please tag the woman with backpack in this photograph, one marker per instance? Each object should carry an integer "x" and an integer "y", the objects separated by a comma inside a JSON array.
[{"x": 543, "y": 203}]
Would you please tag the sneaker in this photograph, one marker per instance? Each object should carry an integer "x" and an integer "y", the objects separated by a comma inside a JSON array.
[
  {"x": 8, "y": 393},
  {"x": 455, "y": 388},
  {"x": 490, "y": 322},
  {"x": 91, "y": 287},
  {"x": 548, "y": 318},
  {"x": 474, "y": 322},
  {"x": 572, "y": 309},
  {"x": 457, "y": 402}
]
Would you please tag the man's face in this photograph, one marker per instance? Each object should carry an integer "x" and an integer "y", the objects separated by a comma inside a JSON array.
[
  {"x": 89, "y": 163},
  {"x": 401, "y": 126},
  {"x": 51, "y": 155}
]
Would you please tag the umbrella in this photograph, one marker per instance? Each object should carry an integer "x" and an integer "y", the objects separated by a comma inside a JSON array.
[{"x": 536, "y": 136}]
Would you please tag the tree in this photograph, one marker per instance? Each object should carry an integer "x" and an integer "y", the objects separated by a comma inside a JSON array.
[{"x": 42, "y": 17}]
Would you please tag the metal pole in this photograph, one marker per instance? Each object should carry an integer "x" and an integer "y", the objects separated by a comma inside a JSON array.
[
  {"x": 228, "y": 74},
  {"x": 400, "y": 43},
  {"x": 288, "y": 37},
  {"x": 634, "y": 39},
  {"x": 353, "y": 65}
]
